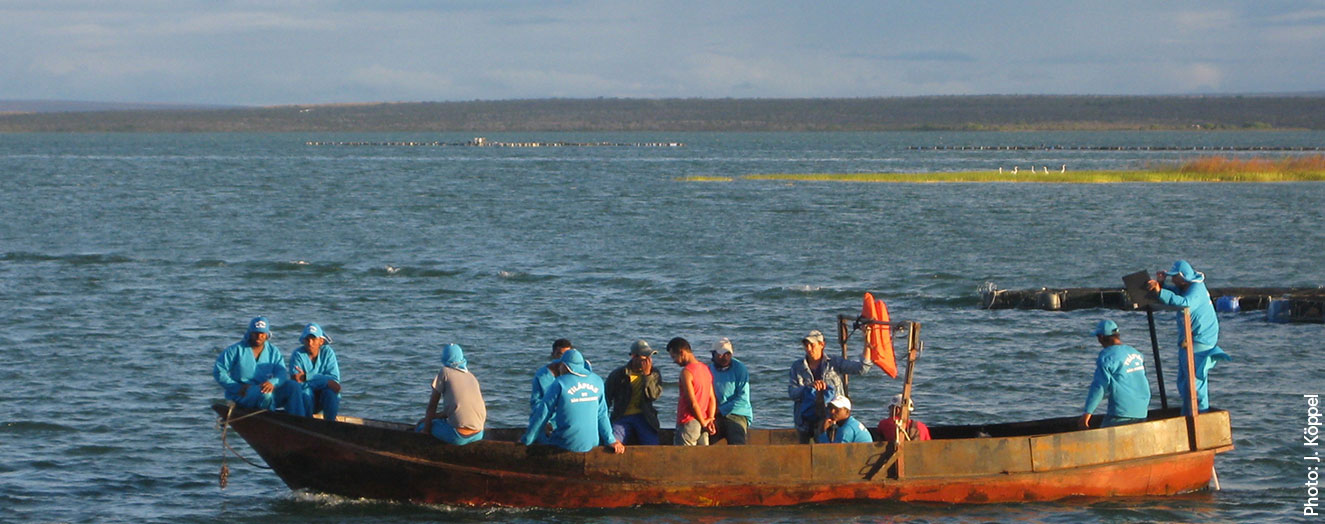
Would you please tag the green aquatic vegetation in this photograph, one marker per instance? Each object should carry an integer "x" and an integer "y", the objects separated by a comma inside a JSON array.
[
  {"x": 701, "y": 178},
  {"x": 1070, "y": 177},
  {"x": 1204, "y": 169}
]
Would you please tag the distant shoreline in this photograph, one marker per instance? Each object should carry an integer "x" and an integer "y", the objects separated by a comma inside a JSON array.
[{"x": 928, "y": 113}]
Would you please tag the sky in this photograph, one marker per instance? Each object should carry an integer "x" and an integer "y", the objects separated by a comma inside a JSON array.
[{"x": 240, "y": 52}]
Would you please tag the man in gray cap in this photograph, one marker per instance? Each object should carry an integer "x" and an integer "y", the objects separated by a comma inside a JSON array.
[
  {"x": 815, "y": 380},
  {"x": 631, "y": 390}
]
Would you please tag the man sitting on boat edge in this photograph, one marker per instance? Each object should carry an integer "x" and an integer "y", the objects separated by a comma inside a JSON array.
[
  {"x": 463, "y": 412},
  {"x": 631, "y": 390},
  {"x": 839, "y": 427},
  {"x": 1120, "y": 372},
  {"x": 915, "y": 429},
  {"x": 577, "y": 402},
  {"x": 253, "y": 373},
  {"x": 543, "y": 377},
  {"x": 315, "y": 368}
]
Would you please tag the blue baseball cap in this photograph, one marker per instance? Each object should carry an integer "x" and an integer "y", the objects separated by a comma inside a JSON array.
[
  {"x": 1105, "y": 328},
  {"x": 258, "y": 325},
  {"x": 314, "y": 330}
]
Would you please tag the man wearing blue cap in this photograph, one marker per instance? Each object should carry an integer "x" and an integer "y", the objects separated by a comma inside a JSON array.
[
  {"x": 543, "y": 377},
  {"x": 253, "y": 373},
  {"x": 315, "y": 368},
  {"x": 576, "y": 401},
  {"x": 1120, "y": 373},
  {"x": 1187, "y": 290}
]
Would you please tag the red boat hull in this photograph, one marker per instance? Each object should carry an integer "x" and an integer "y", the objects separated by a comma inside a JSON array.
[{"x": 376, "y": 460}]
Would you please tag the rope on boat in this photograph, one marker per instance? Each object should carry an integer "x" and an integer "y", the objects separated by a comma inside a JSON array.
[{"x": 224, "y": 425}]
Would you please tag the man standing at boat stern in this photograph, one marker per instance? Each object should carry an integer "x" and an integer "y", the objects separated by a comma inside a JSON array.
[
  {"x": 1120, "y": 373},
  {"x": 253, "y": 373},
  {"x": 631, "y": 390},
  {"x": 815, "y": 380},
  {"x": 576, "y": 402},
  {"x": 463, "y": 412},
  {"x": 1187, "y": 289},
  {"x": 315, "y": 368},
  {"x": 731, "y": 386},
  {"x": 696, "y": 406}
]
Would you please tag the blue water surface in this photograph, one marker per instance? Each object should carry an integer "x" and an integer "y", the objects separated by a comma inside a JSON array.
[{"x": 127, "y": 262}]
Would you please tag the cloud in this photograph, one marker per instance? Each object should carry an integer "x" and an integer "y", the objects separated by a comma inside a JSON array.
[
  {"x": 1202, "y": 21},
  {"x": 1197, "y": 78},
  {"x": 919, "y": 56},
  {"x": 382, "y": 79}
]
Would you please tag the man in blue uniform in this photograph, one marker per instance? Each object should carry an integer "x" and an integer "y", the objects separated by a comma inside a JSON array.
[
  {"x": 731, "y": 384},
  {"x": 544, "y": 376},
  {"x": 839, "y": 427},
  {"x": 253, "y": 373},
  {"x": 1187, "y": 289},
  {"x": 315, "y": 368},
  {"x": 577, "y": 403},
  {"x": 1120, "y": 373}
]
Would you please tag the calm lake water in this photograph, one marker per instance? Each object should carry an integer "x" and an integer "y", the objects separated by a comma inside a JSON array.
[{"x": 127, "y": 262}]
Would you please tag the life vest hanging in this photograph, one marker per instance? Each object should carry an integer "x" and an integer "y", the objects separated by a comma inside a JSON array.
[{"x": 878, "y": 338}]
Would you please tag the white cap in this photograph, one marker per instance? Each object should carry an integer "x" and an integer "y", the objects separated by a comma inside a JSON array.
[
  {"x": 840, "y": 401},
  {"x": 897, "y": 401},
  {"x": 722, "y": 346}
]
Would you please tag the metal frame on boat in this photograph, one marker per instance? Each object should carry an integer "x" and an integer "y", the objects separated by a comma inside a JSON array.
[{"x": 1038, "y": 460}]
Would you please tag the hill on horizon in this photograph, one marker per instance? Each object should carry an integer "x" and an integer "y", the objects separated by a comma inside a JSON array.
[
  {"x": 966, "y": 112},
  {"x": 80, "y": 106}
]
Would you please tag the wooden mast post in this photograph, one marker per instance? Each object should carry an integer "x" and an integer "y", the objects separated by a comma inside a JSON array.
[
  {"x": 1190, "y": 399},
  {"x": 912, "y": 350},
  {"x": 843, "y": 332}
]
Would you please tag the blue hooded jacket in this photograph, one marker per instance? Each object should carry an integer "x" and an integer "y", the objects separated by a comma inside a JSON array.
[
  {"x": 1205, "y": 324},
  {"x": 318, "y": 372},
  {"x": 1120, "y": 371},
  {"x": 577, "y": 404},
  {"x": 732, "y": 389},
  {"x": 235, "y": 367}
]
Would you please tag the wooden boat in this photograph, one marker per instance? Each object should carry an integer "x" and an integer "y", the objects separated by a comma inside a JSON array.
[
  {"x": 1039, "y": 460},
  {"x": 1026, "y": 461}
]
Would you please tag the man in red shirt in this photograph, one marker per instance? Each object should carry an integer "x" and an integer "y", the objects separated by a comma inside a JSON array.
[
  {"x": 915, "y": 429},
  {"x": 697, "y": 406}
]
